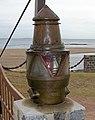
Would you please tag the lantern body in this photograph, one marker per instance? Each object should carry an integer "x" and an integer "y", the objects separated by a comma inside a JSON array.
[{"x": 47, "y": 61}]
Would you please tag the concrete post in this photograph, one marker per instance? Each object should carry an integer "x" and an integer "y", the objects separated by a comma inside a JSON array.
[{"x": 68, "y": 110}]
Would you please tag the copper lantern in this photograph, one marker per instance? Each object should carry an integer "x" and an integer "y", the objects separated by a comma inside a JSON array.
[{"x": 47, "y": 61}]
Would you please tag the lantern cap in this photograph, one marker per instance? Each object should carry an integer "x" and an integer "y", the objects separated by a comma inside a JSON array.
[{"x": 46, "y": 14}]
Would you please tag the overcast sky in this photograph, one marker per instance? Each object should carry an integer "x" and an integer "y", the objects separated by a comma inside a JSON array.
[{"x": 77, "y": 18}]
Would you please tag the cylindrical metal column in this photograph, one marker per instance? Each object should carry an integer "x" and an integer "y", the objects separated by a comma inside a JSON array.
[{"x": 38, "y": 5}]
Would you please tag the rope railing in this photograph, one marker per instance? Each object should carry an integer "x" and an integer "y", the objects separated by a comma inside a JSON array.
[
  {"x": 77, "y": 63},
  {"x": 16, "y": 67}
]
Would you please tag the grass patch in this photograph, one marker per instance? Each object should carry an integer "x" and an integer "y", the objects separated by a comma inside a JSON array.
[{"x": 82, "y": 84}]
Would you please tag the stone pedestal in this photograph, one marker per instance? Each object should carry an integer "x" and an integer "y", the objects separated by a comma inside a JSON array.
[{"x": 27, "y": 110}]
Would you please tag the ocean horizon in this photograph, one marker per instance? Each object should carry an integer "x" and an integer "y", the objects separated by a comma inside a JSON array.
[{"x": 26, "y": 42}]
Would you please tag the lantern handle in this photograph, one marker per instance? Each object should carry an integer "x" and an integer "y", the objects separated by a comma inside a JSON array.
[{"x": 33, "y": 93}]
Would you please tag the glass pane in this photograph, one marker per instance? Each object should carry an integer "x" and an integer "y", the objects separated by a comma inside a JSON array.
[
  {"x": 38, "y": 69},
  {"x": 52, "y": 63}
]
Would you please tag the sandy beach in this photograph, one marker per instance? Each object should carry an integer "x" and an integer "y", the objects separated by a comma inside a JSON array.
[{"x": 13, "y": 57}]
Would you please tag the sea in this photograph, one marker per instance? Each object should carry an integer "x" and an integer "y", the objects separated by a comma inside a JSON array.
[{"x": 69, "y": 43}]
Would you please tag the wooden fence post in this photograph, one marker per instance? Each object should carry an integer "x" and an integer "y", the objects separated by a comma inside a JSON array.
[{"x": 0, "y": 94}]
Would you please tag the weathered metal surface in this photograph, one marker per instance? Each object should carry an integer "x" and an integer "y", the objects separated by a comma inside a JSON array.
[
  {"x": 46, "y": 31},
  {"x": 38, "y": 5},
  {"x": 47, "y": 60}
]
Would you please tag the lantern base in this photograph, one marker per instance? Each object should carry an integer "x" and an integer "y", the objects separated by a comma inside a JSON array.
[
  {"x": 35, "y": 96},
  {"x": 49, "y": 92}
]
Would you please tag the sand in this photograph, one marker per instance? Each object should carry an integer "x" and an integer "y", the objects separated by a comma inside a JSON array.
[
  {"x": 81, "y": 50},
  {"x": 13, "y": 57}
]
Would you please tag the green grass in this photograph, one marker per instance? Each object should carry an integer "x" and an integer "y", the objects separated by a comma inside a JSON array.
[
  {"x": 81, "y": 83},
  {"x": 18, "y": 79}
]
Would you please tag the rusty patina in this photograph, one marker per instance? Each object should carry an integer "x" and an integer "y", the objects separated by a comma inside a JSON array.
[{"x": 47, "y": 61}]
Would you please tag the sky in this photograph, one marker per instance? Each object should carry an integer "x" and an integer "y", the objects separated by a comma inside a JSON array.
[{"x": 77, "y": 18}]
